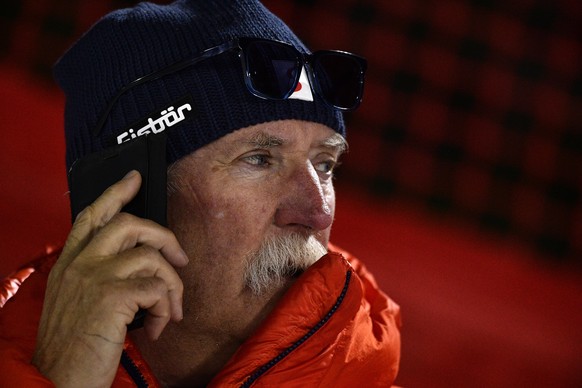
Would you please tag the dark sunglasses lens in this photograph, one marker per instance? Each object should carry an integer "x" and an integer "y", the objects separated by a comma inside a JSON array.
[
  {"x": 273, "y": 68},
  {"x": 340, "y": 78}
]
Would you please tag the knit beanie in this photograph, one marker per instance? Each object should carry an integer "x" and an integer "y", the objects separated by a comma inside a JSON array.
[{"x": 131, "y": 43}]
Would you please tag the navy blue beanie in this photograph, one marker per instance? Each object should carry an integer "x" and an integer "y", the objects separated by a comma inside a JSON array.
[{"x": 130, "y": 43}]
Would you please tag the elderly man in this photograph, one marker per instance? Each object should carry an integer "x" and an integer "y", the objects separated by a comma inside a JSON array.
[{"x": 242, "y": 288}]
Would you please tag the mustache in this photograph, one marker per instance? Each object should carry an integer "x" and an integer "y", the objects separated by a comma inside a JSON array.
[{"x": 280, "y": 258}]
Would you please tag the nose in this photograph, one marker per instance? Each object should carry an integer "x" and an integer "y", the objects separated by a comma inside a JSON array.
[{"x": 304, "y": 201}]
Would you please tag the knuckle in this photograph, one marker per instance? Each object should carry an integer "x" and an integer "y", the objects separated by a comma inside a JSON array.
[
  {"x": 123, "y": 219},
  {"x": 73, "y": 240},
  {"x": 165, "y": 233},
  {"x": 86, "y": 216},
  {"x": 179, "y": 286},
  {"x": 172, "y": 236},
  {"x": 148, "y": 252},
  {"x": 91, "y": 217}
]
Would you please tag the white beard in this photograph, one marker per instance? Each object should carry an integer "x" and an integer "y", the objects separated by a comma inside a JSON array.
[{"x": 280, "y": 258}]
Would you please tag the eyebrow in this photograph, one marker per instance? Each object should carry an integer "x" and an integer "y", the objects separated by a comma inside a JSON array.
[
  {"x": 335, "y": 142},
  {"x": 264, "y": 140}
]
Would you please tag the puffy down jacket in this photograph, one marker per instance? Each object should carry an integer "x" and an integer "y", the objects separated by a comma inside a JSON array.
[{"x": 333, "y": 328}]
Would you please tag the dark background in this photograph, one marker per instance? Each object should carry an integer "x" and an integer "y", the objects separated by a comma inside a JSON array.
[{"x": 461, "y": 189}]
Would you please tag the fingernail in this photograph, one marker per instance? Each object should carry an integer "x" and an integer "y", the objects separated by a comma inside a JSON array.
[{"x": 130, "y": 175}]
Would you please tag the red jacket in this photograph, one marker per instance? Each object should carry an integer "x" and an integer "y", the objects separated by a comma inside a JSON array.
[{"x": 333, "y": 327}]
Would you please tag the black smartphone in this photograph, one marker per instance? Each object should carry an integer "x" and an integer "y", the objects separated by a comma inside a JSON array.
[{"x": 91, "y": 175}]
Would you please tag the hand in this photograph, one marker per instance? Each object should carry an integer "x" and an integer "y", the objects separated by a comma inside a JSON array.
[{"x": 112, "y": 264}]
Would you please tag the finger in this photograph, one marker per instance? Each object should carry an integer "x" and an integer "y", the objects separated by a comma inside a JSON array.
[
  {"x": 126, "y": 231},
  {"x": 151, "y": 293},
  {"x": 99, "y": 213},
  {"x": 145, "y": 262},
  {"x": 111, "y": 201}
]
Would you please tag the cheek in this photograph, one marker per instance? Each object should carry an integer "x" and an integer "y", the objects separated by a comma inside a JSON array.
[
  {"x": 211, "y": 226},
  {"x": 233, "y": 221}
]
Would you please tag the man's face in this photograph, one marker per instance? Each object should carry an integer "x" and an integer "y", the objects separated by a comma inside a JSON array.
[{"x": 233, "y": 196}]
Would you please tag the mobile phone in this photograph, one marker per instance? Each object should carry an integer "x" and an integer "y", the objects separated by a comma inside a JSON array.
[{"x": 91, "y": 175}]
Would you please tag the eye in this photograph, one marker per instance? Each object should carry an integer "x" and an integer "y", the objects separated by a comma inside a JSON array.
[
  {"x": 326, "y": 167},
  {"x": 259, "y": 160}
]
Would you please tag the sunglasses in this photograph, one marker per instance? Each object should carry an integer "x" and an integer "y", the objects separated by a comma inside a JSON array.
[{"x": 272, "y": 70}]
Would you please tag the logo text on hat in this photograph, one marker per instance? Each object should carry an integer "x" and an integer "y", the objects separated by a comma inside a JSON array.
[{"x": 168, "y": 118}]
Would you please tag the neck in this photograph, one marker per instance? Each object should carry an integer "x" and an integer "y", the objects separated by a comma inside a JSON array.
[
  {"x": 192, "y": 352},
  {"x": 180, "y": 358}
]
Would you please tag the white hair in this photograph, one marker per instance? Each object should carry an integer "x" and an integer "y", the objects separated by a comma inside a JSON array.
[{"x": 279, "y": 258}]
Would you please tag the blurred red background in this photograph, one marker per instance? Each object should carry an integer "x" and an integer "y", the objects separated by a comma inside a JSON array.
[{"x": 461, "y": 190}]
